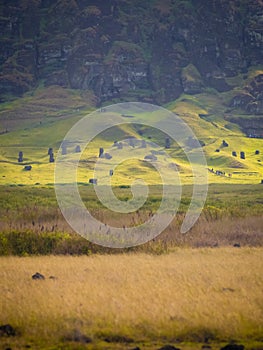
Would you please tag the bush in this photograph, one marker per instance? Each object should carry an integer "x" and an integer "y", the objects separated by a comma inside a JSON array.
[{"x": 31, "y": 243}]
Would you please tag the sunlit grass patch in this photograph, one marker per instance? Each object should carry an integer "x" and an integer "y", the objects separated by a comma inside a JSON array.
[{"x": 188, "y": 295}]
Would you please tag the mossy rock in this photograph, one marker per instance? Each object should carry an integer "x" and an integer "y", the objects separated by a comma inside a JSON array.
[{"x": 191, "y": 80}]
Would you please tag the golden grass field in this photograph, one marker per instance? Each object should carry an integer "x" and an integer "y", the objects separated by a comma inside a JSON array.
[
  {"x": 164, "y": 292},
  {"x": 183, "y": 298}
]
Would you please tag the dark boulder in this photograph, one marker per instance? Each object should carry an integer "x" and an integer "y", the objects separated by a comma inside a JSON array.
[
  {"x": 7, "y": 330},
  {"x": 107, "y": 156},
  {"x": 93, "y": 181},
  {"x": 27, "y": 167},
  {"x": 168, "y": 347},
  {"x": 38, "y": 276},
  {"x": 151, "y": 157}
]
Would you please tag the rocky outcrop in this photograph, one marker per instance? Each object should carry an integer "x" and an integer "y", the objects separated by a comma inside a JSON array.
[
  {"x": 251, "y": 125},
  {"x": 251, "y": 99},
  {"x": 150, "y": 51}
]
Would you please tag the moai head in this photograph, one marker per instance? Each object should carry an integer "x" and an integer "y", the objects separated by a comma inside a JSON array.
[
  {"x": 20, "y": 157},
  {"x": 101, "y": 151},
  {"x": 78, "y": 149},
  {"x": 51, "y": 158},
  {"x": 167, "y": 142}
]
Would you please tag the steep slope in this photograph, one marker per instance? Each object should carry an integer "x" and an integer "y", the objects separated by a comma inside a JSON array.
[
  {"x": 201, "y": 59},
  {"x": 150, "y": 50}
]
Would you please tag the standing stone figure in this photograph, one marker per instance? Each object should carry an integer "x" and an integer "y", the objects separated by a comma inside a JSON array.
[
  {"x": 167, "y": 143},
  {"x": 64, "y": 150},
  {"x": 101, "y": 152},
  {"x": 77, "y": 149},
  {"x": 51, "y": 158},
  {"x": 20, "y": 157}
]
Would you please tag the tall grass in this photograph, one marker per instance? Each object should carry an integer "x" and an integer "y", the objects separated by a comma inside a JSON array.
[
  {"x": 227, "y": 231},
  {"x": 31, "y": 222},
  {"x": 189, "y": 295}
]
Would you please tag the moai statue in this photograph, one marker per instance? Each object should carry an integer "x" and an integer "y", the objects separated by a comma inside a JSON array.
[
  {"x": 111, "y": 172},
  {"x": 20, "y": 157},
  {"x": 50, "y": 151},
  {"x": 242, "y": 155},
  {"x": 51, "y": 158},
  {"x": 101, "y": 152},
  {"x": 167, "y": 143},
  {"x": 234, "y": 153},
  {"x": 77, "y": 149},
  {"x": 64, "y": 150},
  {"x": 143, "y": 144}
]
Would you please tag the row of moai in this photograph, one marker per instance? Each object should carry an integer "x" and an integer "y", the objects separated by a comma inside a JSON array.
[{"x": 234, "y": 153}]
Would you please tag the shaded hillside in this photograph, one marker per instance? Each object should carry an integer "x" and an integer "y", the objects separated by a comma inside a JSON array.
[{"x": 150, "y": 50}]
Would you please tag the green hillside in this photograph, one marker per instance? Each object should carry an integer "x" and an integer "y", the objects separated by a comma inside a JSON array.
[{"x": 36, "y": 130}]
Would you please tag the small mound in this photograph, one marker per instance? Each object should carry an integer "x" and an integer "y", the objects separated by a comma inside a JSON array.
[{"x": 237, "y": 165}]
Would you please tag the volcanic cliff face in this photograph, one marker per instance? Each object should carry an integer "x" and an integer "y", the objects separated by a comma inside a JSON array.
[{"x": 149, "y": 50}]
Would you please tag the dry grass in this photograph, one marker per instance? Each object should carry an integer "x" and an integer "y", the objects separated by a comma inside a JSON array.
[
  {"x": 213, "y": 229},
  {"x": 187, "y": 295}
]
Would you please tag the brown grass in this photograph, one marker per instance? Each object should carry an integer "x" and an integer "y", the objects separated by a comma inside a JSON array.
[
  {"x": 214, "y": 228},
  {"x": 187, "y": 295}
]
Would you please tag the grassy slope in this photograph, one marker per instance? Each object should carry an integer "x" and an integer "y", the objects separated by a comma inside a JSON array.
[
  {"x": 43, "y": 118},
  {"x": 187, "y": 295},
  {"x": 213, "y": 129}
]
